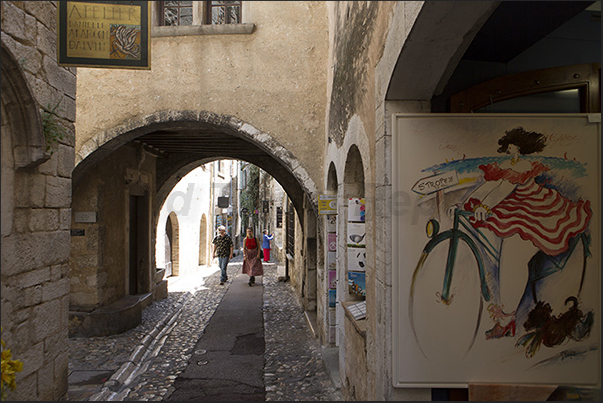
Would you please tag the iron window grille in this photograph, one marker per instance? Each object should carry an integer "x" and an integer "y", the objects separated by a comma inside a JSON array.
[
  {"x": 223, "y": 12},
  {"x": 176, "y": 13}
]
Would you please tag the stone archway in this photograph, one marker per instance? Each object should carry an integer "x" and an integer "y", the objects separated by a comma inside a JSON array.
[
  {"x": 154, "y": 153},
  {"x": 329, "y": 287},
  {"x": 226, "y": 137},
  {"x": 441, "y": 33},
  {"x": 21, "y": 111}
]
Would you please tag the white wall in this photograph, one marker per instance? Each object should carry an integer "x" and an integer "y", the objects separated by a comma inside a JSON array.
[{"x": 190, "y": 199}]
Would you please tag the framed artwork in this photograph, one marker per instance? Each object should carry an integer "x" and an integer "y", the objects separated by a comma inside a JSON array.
[
  {"x": 496, "y": 249},
  {"x": 332, "y": 241},
  {"x": 108, "y": 34},
  {"x": 356, "y": 259},
  {"x": 332, "y": 298},
  {"x": 332, "y": 260},
  {"x": 356, "y": 208},
  {"x": 332, "y": 279},
  {"x": 331, "y": 223},
  {"x": 357, "y": 283},
  {"x": 356, "y": 234}
]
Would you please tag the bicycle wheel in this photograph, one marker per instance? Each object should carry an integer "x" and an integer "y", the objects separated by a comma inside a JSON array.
[{"x": 445, "y": 330}]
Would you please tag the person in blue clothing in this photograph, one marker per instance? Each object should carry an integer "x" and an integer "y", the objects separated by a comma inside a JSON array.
[{"x": 266, "y": 245}]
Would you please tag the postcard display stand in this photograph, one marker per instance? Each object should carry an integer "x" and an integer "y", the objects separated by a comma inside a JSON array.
[
  {"x": 332, "y": 272},
  {"x": 356, "y": 251}
]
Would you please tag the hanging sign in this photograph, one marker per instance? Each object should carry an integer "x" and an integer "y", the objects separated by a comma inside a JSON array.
[
  {"x": 109, "y": 34},
  {"x": 327, "y": 204}
]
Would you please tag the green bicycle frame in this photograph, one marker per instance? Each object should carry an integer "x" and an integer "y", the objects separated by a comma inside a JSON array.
[{"x": 455, "y": 234}]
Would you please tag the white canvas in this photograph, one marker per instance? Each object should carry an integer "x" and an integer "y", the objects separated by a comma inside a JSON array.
[
  {"x": 356, "y": 209},
  {"x": 356, "y": 259},
  {"x": 332, "y": 260},
  {"x": 356, "y": 235},
  {"x": 451, "y": 338},
  {"x": 331, "y": 223}
]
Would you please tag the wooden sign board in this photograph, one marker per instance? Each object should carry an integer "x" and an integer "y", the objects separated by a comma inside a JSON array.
[{"x": 105, "y": 34}]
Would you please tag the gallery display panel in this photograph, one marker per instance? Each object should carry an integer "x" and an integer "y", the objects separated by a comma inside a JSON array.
[{"x": 495, "y": 242}]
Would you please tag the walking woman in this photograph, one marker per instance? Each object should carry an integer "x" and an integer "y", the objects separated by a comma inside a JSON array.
[{"x": 252, "y": 264}]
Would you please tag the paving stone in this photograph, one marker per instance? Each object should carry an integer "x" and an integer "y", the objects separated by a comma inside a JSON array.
[{"x": 294, "y": 369}]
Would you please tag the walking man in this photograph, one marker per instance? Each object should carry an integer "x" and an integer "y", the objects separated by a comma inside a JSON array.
[
  {"x": 266, "y": 245},
  {"x": 223, "y": 248}
]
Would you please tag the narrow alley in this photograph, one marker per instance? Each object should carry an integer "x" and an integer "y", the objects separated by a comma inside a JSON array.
[
  {"x": 425, "y": 176},
  {"x": 145, "y": 363}
]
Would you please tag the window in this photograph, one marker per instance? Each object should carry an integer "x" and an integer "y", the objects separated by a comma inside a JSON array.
[
  {"x": 223, "y": 12},
  {"x": 176, "y": 13},
  {"x": 290, "y": 230}
]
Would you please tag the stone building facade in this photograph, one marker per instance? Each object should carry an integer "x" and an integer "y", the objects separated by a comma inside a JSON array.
[
  {"x": 307, "y": 91},
  {"x": 38, "y": 115}
]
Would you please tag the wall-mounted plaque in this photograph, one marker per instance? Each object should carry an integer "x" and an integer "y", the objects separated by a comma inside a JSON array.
[{"x": 109, "y": 34}]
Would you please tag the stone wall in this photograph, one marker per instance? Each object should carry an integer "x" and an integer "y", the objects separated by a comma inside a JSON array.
[
  {"x": 36, "y": 198},
  {"x": 272, "y": 79},
  {"x": 359, "y": 33},
  {"x": 99, "y": 254}
]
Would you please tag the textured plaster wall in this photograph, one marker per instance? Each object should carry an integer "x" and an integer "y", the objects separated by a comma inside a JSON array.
[
  {"x": 189, "y": 200},
  {"x": 274, "y": 79}
]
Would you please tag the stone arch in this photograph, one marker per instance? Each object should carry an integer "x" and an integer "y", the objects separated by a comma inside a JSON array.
[
  {"x": 332, "y": 178},
  {"x": 353, "y": 176},
  {"x": 203, "y": 245},
  {"x": 21, "y": 110},
  {"x": 271, "y": 156},
  {"x": 352, "y": 185},
  {"x": 223, "y": 137},
  {"x": 439, "y": 36},
  {"x": 173, "y": 234}
]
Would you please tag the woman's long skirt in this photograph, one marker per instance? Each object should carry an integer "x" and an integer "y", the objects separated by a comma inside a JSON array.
[{"x": 252, "y": 266}]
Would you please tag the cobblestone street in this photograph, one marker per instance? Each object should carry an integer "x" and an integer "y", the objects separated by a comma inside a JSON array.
[{"x": 114, "y": 367}]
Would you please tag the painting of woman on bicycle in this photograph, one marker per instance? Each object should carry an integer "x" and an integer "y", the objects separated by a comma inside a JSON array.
[
  {"x": 515, "y": 206},
  {"x": 498, "y": 275}
]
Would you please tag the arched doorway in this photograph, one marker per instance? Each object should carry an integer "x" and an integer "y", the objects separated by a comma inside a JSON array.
[
  {"x": 203, "y": 245},
  {"x": 173, "y": 245},
  {"x": 351, "y": 237},
  {"x": 33, "y": 241},
  {"x": 157, "y": 155},
  {"x": 330, "y": 236}
]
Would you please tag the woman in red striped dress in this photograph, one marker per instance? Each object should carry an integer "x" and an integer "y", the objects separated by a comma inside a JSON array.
[
  {"x": 531, "y": 218},
  {"x": 252, "y": 264}
]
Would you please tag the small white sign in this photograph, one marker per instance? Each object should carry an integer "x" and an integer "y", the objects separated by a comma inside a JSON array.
[
  {"x": 434, "y": 183},
  {"x": 89, "y": 216}
]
